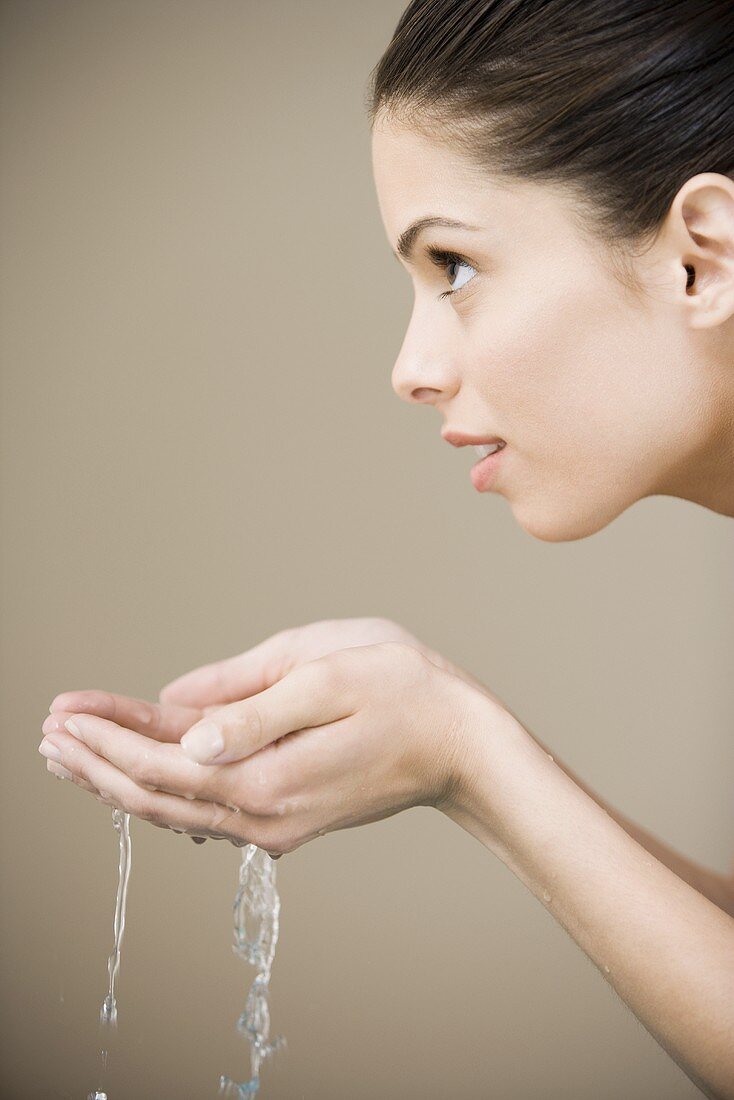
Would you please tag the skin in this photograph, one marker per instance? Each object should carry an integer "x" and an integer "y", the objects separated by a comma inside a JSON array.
[{"x": 605, "y": 394}]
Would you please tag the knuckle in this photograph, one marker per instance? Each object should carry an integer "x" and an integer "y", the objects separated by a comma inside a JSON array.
[
  {"x": 101, "y": 703},
  {"x": 111, "y": 711},
  {"x": 276, "y": 657},
  {"x": 406, "y": 656},
  {"x": 331, "y": 673},
  {"x": 152, "y": 718},
  {"x": 139, "y": 770},
  {"x": 251, "y": 724},
  {"x": 263, "y": 792},
  {"x": 260, "y": 801}
]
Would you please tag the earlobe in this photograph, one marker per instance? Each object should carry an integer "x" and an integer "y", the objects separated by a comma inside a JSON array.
[{"x": 704, "y": 212}]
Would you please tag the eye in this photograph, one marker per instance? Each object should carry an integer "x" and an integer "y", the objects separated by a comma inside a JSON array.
[{"x": 442, "y": 258}]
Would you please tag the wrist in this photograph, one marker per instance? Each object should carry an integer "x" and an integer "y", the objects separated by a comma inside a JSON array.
[{"x": 499, "y": 763}]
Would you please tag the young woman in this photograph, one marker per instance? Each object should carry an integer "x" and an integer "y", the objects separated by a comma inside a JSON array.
[{"x": 556, "y": 178}]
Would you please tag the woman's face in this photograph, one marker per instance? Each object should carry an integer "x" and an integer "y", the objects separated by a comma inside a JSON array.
[{"x": 590, "y": 385}]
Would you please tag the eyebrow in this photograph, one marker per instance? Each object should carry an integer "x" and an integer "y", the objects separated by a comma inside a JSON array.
[{"x": 407, "y": 239}]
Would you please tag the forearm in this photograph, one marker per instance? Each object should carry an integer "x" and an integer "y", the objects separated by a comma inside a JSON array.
[
  {"x": 667, "y": 950},
  {"x": 716, "y": 887}
]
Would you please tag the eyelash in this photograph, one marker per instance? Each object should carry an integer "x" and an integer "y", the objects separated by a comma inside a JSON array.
[{"x": 441, "y": 258}]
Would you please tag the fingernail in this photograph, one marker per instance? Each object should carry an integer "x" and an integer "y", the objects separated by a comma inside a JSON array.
[
  {"x": 58, "y": 770},
  {"x": 203, "y": 742},
  {"x": 49, "y": 750},
  {"x": 72, "y": 727},
  {"x": 52, "y": 724}
]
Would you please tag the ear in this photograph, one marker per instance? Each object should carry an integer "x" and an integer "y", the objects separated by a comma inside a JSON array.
[{"x": 701, "y": 222}]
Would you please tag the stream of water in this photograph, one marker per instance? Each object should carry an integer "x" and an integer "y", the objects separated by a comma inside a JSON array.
[
  {"x": 256, "y": 912},
  {"x": 256, "y": 921},
  {"x": 108, "y": 1011}
]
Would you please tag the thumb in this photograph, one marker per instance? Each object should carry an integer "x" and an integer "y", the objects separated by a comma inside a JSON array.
[
  {"x": 300, "y": 700},
  {"x": 231, "y": 678}
]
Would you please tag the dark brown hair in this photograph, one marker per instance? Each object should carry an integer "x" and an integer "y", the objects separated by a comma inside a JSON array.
[{"x": 621, "y": 100}]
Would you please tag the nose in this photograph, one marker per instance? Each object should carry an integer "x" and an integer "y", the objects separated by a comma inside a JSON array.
[{"x": 423, "y": 372}]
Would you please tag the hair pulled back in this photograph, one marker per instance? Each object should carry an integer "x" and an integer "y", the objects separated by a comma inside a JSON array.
[{"x": 620, "y": 100}]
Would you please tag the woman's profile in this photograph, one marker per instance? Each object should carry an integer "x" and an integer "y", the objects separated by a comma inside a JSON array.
[{"x": 557, "y": 180}]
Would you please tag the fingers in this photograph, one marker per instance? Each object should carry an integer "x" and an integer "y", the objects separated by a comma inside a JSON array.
[
  {"x": 150, "y": 764},
  {"x": 313, "y": 694},
  {"x": 163, "y": 723},
  {"x": 63, "y": 773},
  {"x": 233, "y": 678},
  {"x": 118, "y": 789}
]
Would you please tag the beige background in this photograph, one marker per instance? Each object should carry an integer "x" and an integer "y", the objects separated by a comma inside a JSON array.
[{"x": 201, "y": 446}]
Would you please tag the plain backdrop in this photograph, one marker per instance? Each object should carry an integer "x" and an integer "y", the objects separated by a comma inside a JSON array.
[{"x": 200, "y": 447}]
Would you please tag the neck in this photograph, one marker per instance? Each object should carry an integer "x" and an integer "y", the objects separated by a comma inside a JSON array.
[{"x": 706, "y": 475}]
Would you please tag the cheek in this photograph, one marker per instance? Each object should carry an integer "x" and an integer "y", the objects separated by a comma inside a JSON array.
[
  {"x": 572, "y": 366},
  {"x": 579, "y": 384}
]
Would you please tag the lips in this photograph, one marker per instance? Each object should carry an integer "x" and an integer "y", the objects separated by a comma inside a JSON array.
[
  {"x": 484, "y": 471},
  {"x": 463, "y": 439}
]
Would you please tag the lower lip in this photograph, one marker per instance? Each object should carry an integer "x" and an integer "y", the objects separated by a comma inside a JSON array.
[{"x": 484, "y": 472}]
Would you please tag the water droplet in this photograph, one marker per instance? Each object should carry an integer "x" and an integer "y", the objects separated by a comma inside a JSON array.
[
  {"x": 550, "y": 757},
  {"x": 606, "y": 969},
  {"x": 108, "y": 1012},
  {"x": 189, "y": 796},
  {"x": 546, "y": 896}
]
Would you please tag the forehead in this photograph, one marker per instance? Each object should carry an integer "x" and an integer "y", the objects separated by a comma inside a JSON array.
[{"x": 416, "y": 175}]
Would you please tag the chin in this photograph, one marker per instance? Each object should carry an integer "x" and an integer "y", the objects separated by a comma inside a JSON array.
[{"x": 563, "y": 524}]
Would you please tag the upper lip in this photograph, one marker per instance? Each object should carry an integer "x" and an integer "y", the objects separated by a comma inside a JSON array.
[{"x": 458, "y": 439}]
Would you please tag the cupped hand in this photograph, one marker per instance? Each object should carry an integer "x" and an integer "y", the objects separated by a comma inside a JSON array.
[
  {"x": 339, "y": 741},
  {"x": 259, "y": 667},
  {"x": 166, "y": 723}
]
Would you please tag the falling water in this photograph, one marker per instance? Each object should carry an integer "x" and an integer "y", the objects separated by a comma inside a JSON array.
[
  {"x": 256, "y": 912},
  {"x": 256, "y": 909},
  {"x": 108, "y": 1011}
]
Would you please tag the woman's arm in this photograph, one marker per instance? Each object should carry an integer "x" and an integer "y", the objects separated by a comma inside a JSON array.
[
  {"x": 716, "y": 887},
  {"x": 666, "y": 949},
  {"x": 713, "y": 885}
]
